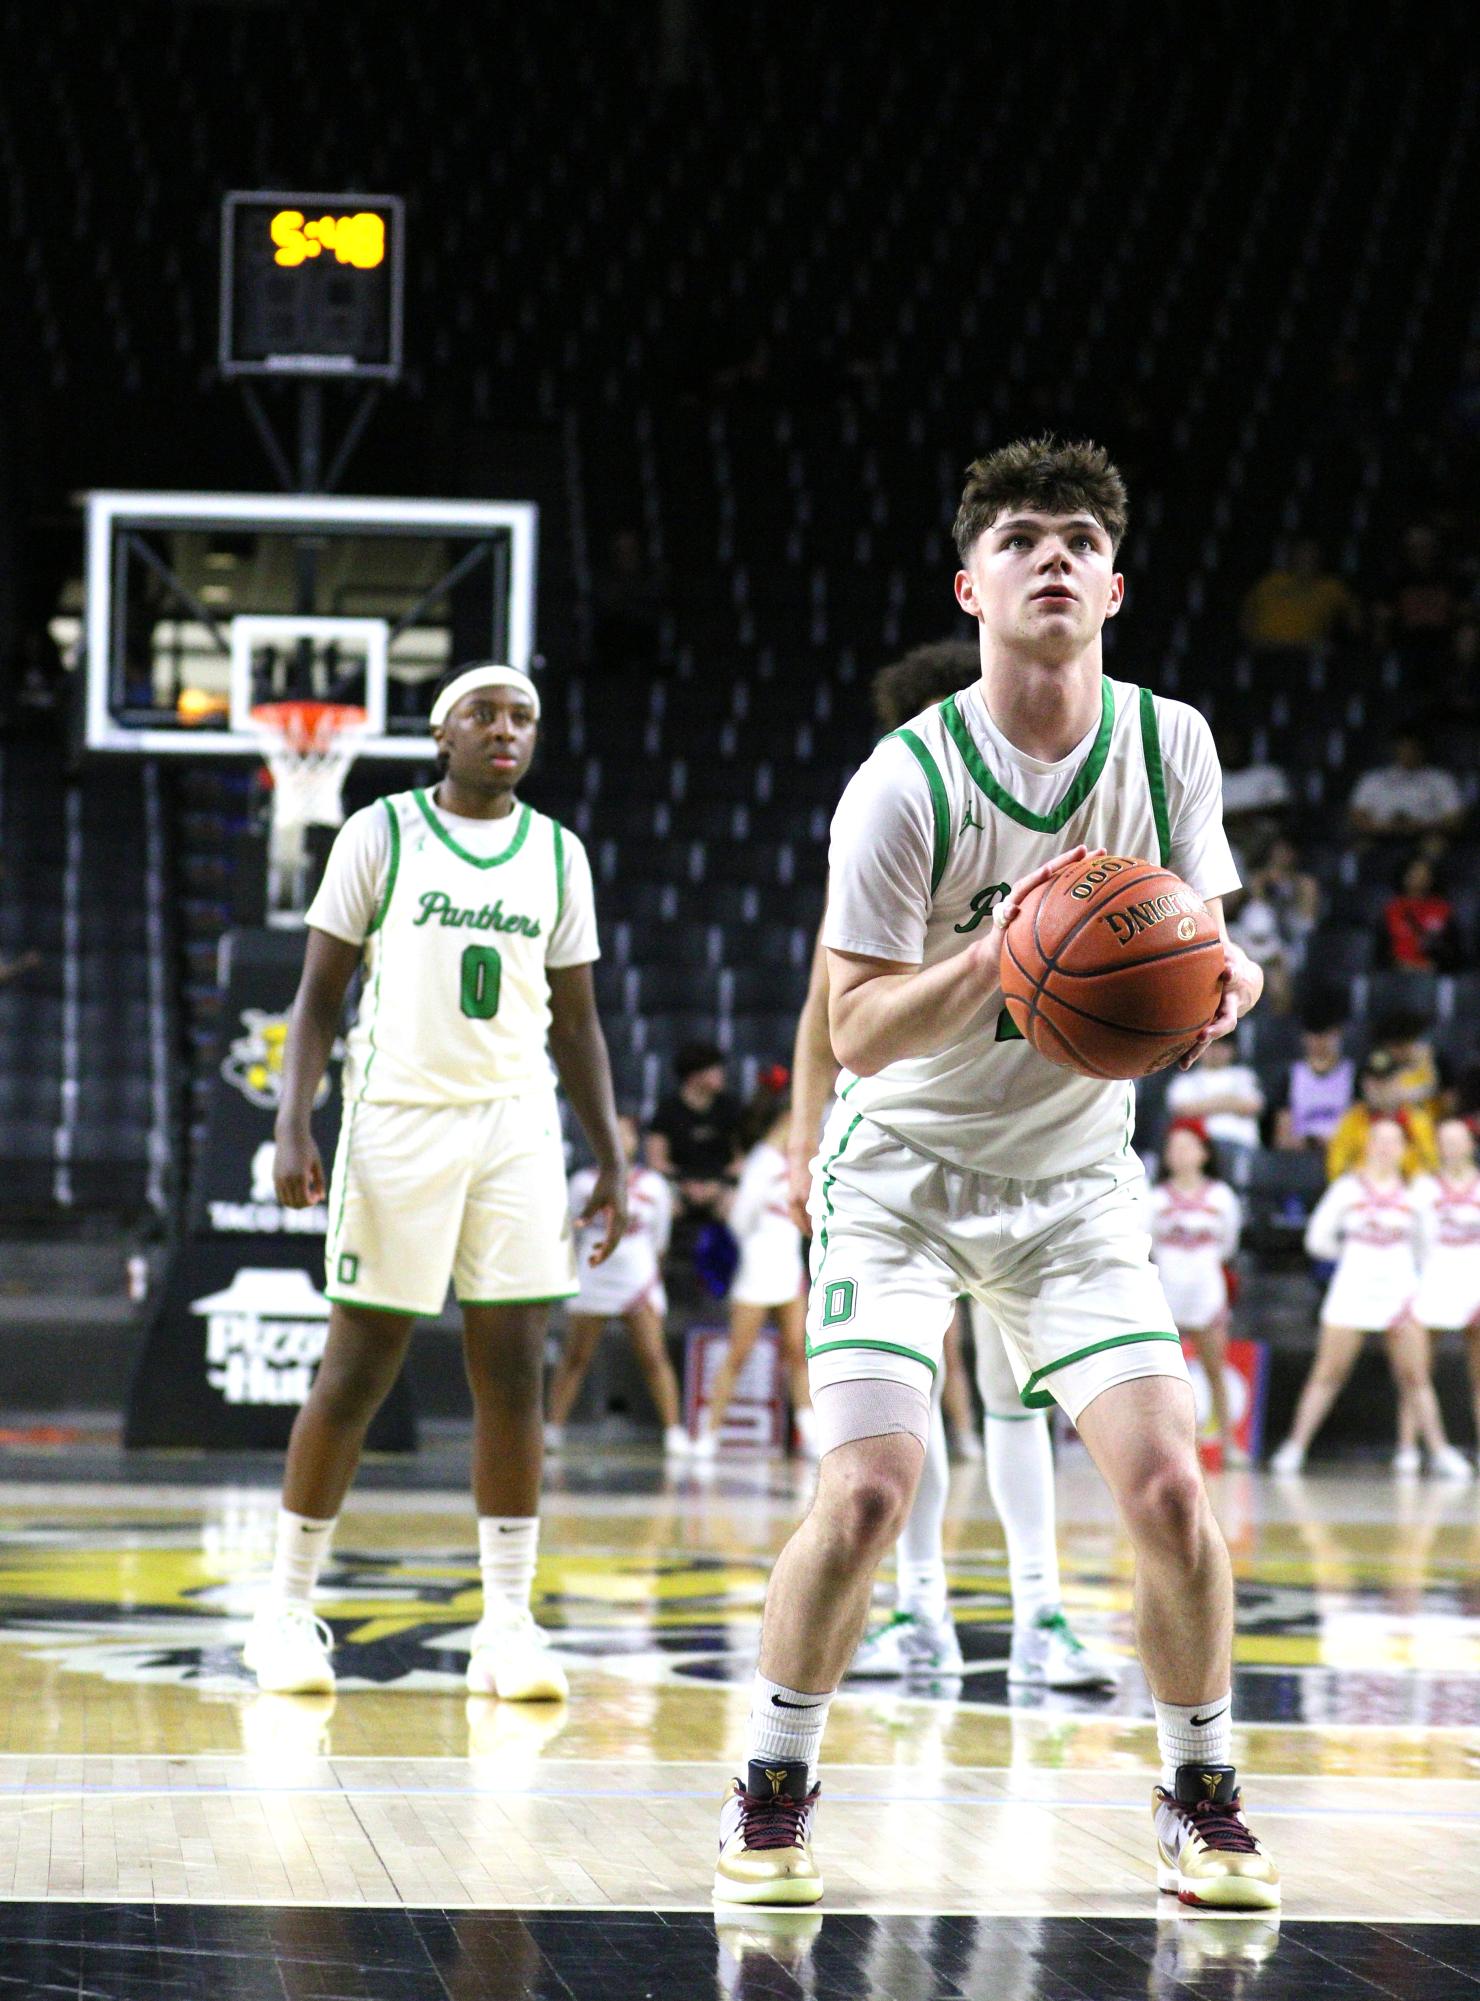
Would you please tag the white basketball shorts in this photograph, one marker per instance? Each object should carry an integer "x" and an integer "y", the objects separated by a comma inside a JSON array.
[
  {"x": 472, "y": 1193},
  {"x": 1062, "y": 1265}
]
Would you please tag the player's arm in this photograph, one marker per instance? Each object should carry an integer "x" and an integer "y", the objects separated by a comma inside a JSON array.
[
  {"x": 814, "y": 1072},
  {"x": 578, "y": 1050},
  {"x": 882, "y": 1012},
  {"x": 329, "y": 964},
  {"x": 1243, "y": 983}
]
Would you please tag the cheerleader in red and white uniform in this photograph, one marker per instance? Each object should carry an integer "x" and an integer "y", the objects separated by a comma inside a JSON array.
[
  {"x": 770, "y": 1281},
  {"x": 1370, "y": 1222},
  {"x": 1449, "y": 1285},
  {"x": 1195, "y": 1221},
  {"x": 629, "y": 1288}
]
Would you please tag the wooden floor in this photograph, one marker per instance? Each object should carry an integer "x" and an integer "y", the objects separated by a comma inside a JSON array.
[{"x": 139, "y": 1765}]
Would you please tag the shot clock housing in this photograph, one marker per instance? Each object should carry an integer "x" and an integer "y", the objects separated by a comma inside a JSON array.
[{"x": 311, "y": 286}]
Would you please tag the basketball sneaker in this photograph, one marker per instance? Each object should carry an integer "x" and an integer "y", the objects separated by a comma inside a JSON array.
[
  {"x": 1050, "y": 1654},
  {"x": 1289, "y": 1459},
  {"x": 765, "y": 1855},
  {"x": 1206, "y": 1852},
  {"x": 1407, "y": 1462},
  {"x": 676, "y": 1441},
  {"x": 511, "y": 1658},
  {"x": 1450, "y": 1464},
  {"x": 908, "y": 1644},
  {"x": 288, "y": 1649}
]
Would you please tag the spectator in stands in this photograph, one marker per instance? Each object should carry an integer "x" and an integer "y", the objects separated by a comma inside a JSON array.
[
  {"x": 12, "y": 969},
  {"x": 1422, "y": 1078},
  {"x": 1298, "y": 605},
  {"x": 629, "y": 606},
  {"x": 694, "y": 1135},
  {"x": 1407, "y": 797},
  {"x": 1318, "y": 1088},
  {"x": 1281, "y": 908},
  {"x": 1380, "y": 1096},
  {"x": 1419, "y": 925},
  {"x": 1256, "y": 796},
  {"x": 1421, "y": 603},
  {"x": 1225, "y": 1096}
]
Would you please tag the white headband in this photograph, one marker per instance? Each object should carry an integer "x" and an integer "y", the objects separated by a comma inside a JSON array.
[{"x": 491, "y": 676}]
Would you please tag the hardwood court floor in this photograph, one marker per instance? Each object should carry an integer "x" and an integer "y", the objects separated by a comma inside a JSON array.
[{"x": 140, "y": 1770}]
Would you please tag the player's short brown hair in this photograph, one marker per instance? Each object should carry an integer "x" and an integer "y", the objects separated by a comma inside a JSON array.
[
  {"x": 1050, "y": 477},
  {"x": 925, "y": 675}
]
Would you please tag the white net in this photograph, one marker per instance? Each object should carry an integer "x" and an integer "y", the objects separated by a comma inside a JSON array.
[{"x": 308, "y": 747}]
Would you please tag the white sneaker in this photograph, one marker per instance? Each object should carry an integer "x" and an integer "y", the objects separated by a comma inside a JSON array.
[
  {"x": 908, "y": 1645},
  {"x": 1050, "y": 1654},
  {"x": 288, "y": 1649},
  {"x": 512, "y": 1659},
  {"x": 1406, "y": 1462},
  {"x": 1289, "y": 1459},
  {"x": 1450, "y": 1464},
  {"x": 554, "y": 1437},
  {"x": 706, "y": 1445},
  {"x": 676, "y": 1442}
]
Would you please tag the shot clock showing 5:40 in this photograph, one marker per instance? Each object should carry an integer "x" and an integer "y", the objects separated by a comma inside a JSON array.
[
  {"x": 353, "y": 239},
  {"x": 311, "y": 284}
]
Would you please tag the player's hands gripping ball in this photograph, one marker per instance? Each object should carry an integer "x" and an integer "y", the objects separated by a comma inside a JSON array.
[{"x": 1113, "y": 967}]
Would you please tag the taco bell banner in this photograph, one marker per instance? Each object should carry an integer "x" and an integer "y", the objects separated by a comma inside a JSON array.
[{"x": 240, "y": 1329}]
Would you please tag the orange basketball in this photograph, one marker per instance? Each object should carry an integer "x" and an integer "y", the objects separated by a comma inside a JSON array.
[{"x": 1112, "y": 966}]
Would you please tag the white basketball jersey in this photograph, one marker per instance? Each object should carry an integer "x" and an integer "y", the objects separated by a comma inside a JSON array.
[
  {"x": 988, "y": 1101},
  {"x": 455, "y": 1006}
]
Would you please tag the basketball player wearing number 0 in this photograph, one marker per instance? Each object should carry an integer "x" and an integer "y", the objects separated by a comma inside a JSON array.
[
  {"x": 474, "y": 920},
  {"x": 958, "y": 1159}
]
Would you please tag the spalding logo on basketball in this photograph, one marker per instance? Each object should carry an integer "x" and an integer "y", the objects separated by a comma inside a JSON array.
[{"x": 1112, "y": 967}]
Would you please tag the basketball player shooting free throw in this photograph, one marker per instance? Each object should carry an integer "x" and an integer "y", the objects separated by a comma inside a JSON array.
[{"x": 957, "y": 1160}]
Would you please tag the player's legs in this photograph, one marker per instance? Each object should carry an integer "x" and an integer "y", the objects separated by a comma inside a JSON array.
[
  {"x": 1472, "y": 1355},
  {"x": 1046, "y": 1650},
  {"x": 503, "y": 1352},
  {"x": 582, "y": 1338},
  {"x": 1336, "y": 1354},
  {"x": 1142, "y": 1435},
  {"x": 956, "y": 1394},
  {"x": 287, "y": 1648}
]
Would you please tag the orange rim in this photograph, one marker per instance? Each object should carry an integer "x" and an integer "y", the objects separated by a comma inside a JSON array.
[{"x": 308, "y": 726}]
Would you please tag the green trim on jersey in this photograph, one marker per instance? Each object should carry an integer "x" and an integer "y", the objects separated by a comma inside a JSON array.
[
  {"x": 477, "y": 861},
  {"x": 940, "y": 805},
  {"x": 1074, "y": 798},
  {"x": 1037, "y": 1399},
  {"x": 390, "y": 881},
  {"x": 1155, "y": 775},
  {"x": 559, "y": 870},
  {"x": 544, "y": 1299},
  {"x": 370, "y": 1306},
  {"x": 882, "y": 1347},
  {"x": 827, "y": 1182}
]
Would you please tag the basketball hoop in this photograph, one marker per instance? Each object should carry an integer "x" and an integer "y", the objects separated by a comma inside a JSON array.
[{"x": 308, "y": 747}]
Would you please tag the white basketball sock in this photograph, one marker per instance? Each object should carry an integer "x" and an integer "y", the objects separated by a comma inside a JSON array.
[
  {"x": 302, "y": 1545},
  {"x": 919, "y": 1557},
  {"x": 1200, "y": 1733},
  {"x": 1020, "y": 1481},
  {"x": 507, "y": 1547},
  {"x": 786, "y": 1724}
]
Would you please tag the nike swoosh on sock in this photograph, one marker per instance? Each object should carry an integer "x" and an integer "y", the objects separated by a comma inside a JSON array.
[
  {"x": 781, "y": 1703},
  {"x": 1199, "y": 1721}
]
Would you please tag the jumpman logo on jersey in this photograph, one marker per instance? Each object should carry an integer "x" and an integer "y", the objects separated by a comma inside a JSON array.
[{"x": 980, "y": 825}]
